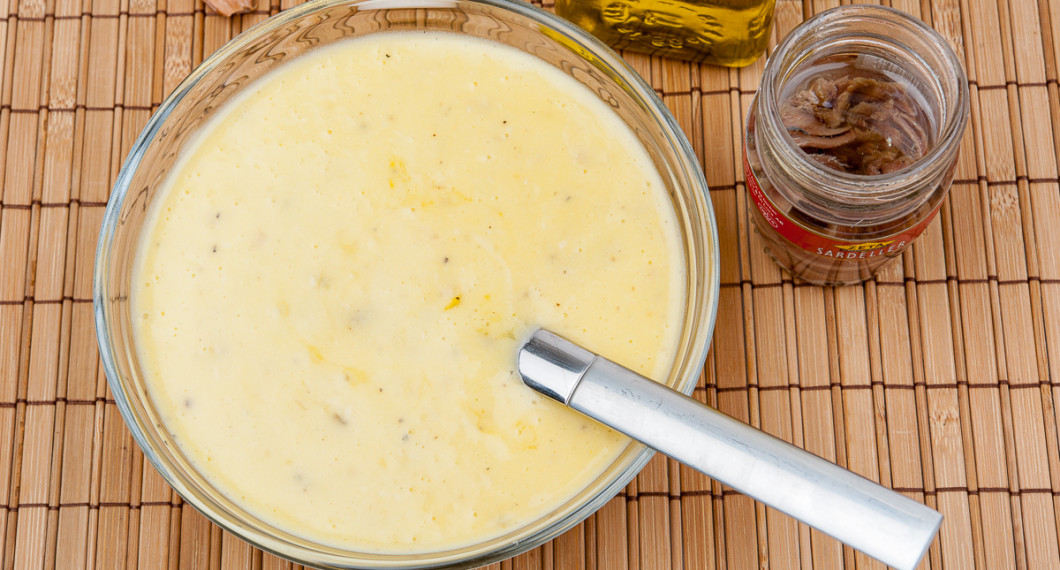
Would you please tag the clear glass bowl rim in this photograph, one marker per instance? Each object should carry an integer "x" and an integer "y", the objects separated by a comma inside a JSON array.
[{"x": 471, "y": 556}]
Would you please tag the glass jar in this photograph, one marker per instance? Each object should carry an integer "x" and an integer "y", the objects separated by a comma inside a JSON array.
[
  {"x": 852, "y": 141},
  {"x": 722, "y": 32}
]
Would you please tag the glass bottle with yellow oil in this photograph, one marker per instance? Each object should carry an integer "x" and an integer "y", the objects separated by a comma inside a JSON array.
[{"x": 722, "y": 32}]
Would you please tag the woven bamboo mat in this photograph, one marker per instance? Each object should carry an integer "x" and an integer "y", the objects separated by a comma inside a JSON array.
[{"x": 939, "y": 379}]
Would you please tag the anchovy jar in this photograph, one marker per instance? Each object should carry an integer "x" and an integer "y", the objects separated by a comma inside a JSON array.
[{"x": 852, "y": 141}]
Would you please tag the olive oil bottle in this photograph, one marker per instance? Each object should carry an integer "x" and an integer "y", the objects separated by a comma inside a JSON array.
[{"x": 722, "y": 32}]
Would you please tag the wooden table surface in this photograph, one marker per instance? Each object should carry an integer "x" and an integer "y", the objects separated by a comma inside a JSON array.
[{"x": 939, "y": 378}]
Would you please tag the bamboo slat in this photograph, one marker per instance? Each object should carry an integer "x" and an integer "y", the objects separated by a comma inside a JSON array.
[{"x": 938, "y": 379}]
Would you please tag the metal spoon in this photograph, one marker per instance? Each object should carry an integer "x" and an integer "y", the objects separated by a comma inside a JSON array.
[{"x": 885, "y": 525}]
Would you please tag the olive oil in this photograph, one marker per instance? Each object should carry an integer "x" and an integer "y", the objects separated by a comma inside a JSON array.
[{"x": 722, "y": 32}]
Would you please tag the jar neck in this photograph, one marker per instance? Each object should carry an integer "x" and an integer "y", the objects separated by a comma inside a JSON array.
[{"x": 903, "y": 46}]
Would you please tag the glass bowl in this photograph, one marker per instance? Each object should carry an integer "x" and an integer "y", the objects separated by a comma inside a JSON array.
[{"x": 298, "y": 31}]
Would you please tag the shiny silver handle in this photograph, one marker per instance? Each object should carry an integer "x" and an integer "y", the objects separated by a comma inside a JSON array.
[{"x": 865, "y": 515}]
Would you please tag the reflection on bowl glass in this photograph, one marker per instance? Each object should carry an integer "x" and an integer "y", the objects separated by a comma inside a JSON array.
[{"x": 325, "y": 248}]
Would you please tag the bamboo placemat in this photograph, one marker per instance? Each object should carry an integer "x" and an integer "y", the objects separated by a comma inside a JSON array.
[{"x": 939, "y": 379}]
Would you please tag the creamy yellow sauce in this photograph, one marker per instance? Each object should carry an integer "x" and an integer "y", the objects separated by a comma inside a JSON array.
[{"x": 333, "y": 287}]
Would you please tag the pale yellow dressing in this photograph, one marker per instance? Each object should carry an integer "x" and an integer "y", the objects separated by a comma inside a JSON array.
[{"x": 331, "y": 293}]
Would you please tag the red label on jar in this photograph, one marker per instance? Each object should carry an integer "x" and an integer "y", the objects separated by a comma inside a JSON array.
[{"x": 824, "y": 246}]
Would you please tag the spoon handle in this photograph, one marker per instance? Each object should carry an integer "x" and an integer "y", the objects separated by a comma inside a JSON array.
[{"x": 865, "y": 515}]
